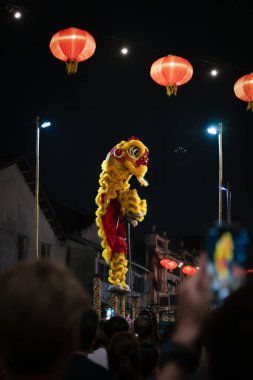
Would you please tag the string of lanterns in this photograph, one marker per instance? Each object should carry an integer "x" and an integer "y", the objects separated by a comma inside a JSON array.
[
  {"x": 169, "y": 264},
  {"x": 73, "y": 45}
]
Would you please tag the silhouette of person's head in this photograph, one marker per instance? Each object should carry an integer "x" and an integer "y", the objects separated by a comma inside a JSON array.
[
  {"x": 41, "y": 305},
  {"x": 114, "y": 325},
  {"x": 124, "y": 356},
  {"x": 143, "y": 327},
  {"x": 89, "y": 330}
]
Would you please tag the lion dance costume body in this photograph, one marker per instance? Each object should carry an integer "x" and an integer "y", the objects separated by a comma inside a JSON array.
[{"x": 117, "y": 203}]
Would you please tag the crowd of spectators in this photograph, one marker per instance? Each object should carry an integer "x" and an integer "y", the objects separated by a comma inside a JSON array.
[{"x": 49, "y": 331}]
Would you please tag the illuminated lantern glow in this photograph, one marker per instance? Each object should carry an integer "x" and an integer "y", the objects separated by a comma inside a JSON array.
[
  {"x": 171, "y": 71},
  {"x": 243, "y": 89},
  {"x": 168, "y": 264},
  {"x": 72, "y": 45},
  {"x": 189, "y": 270}
]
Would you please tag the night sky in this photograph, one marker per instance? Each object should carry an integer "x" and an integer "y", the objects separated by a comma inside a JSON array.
[{"x": 113, "y": 97}]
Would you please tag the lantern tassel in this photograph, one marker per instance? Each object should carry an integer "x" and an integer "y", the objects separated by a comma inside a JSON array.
[
  {"x": 250, "y": 105},
  {"x": 171, "y": 89},
  {"x": 71, "y": 66}
]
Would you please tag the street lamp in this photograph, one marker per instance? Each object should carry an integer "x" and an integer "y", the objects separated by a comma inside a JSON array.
[
  {"x": 218, "y": 131},
  {"x": 38, "y": 126}
]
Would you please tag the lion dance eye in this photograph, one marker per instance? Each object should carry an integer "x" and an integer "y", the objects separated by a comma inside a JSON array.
[
  {"x": 134, "y": 151},
  {"x": 118, "y": 153}
]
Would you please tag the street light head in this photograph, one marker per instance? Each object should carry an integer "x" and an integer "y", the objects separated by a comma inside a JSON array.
[
  {"x": 212, "y": 130},
  {"x": 46, "y": 124}
]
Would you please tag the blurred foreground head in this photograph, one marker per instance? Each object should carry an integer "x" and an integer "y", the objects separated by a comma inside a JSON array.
[
  {"x": 124, "y": 356},
  {"x": 41, "y": 307},
  {"x": 228, "y": 335}
]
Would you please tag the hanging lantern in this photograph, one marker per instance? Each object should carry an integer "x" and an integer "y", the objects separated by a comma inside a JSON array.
[
  {"x": 171, "y": 71},
  {"x": 243, "y": 89},
  {"x": 163, "y": 262},
  {"x": 168, "y": 264},
  {"x": 189, "y": 270},
  {"x": 72, "y": 45}
]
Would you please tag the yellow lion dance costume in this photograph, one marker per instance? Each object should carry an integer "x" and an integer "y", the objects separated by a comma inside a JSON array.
[{"x": 117, "y": 202}]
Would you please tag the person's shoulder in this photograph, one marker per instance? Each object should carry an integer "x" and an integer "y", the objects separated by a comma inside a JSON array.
[
  {"x": 83, "y": 368},
  {"x": 96, "y": 368}
]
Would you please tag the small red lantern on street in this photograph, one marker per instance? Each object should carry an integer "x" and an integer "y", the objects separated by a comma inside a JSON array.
[
  {"x": 189, "y": 270},
  {"x": 171, "y": 71},
  {"x": 243, "y": 89},
  {"x": 72, "y": 45},
  {"x": 168, "y": 264}
]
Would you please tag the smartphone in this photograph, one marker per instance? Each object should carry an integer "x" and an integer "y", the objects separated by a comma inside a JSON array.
[
  {"x": 227, "y": 255},
  {"x": 109, "y": 312}
]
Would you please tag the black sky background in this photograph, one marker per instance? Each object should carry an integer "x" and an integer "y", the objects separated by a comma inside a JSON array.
[{"x": 113, "y": 97}]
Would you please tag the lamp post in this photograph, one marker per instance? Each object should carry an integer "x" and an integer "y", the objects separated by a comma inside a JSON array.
[
  {"x": 38, "y": 126},
  {"x": 215, "y": 131}
]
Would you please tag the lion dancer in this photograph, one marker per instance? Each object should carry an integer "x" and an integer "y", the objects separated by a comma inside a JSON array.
[{"x": 116, "y": 203}]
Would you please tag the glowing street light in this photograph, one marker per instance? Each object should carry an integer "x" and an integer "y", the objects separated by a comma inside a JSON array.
[
  {"x": 17, "y": 14},
  {"x": 14, "y": 11},
  {"x": 124, "y": 51},
  {"x": 214, "y": 73},
  {"x": 45, "y": 124},
  {"x": 38, "y": 126},
  {"x": 213, "y": 130}
]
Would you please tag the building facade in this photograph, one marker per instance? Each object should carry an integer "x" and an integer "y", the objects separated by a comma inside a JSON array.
[{"x": 166, "y": 283}]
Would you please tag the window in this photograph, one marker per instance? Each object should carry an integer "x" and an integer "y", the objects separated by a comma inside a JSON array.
[
  {"x": 45, "y": 250},
  {"x": 22, "y": 247},
  {"x": 160, "y": 243},
  {"x": 176, "y": 271},
  {"x": 147, "y": 286},
  {"x": 103, "y": 270},
  {"x": 138, "y": 285}
]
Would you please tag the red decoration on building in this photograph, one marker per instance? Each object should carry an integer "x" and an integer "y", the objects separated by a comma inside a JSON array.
[
  {"x": 189, "y": 270},
  {"x": 72, "y": 45},
  {"x": 168, "y": 264},
  {"x": 243, "y": 89},
  {"x": 171, "y": 71}
]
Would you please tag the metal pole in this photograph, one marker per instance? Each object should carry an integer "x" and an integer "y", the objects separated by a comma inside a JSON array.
[
  {"x": 227, "y": 199},
  {"x": 220, "y": 172},
  {"x": 228, "y": 203},
  {"x": 129, "y": 254},
  {"x": 168, "y": 299},
  {"x": 37, "y": 189}
]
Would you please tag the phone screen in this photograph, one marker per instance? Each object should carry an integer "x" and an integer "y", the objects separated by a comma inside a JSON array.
[
  {"x": 109, "y": 312},
  {"x": 227, "y": 254}
]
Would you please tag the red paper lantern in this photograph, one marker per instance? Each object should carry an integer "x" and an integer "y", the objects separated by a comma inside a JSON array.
[
  {"x": 189, "y": 270},
  {"x": 243, "y": 89},
  {"x": 72, "y": 45},
  {"x": 168, "y": 264},
  {"x": 171, "y": 71}
]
